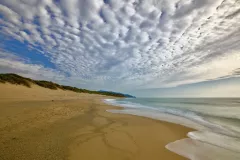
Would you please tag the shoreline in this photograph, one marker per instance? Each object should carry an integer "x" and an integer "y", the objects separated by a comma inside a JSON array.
[
  {"x": 203, "y": 137},
  {"x": 120, "y": 108},
  {"x": 39, "y": 123}
]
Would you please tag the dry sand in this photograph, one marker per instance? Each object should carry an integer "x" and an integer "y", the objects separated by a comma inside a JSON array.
[{"x": 42, "y": 124}]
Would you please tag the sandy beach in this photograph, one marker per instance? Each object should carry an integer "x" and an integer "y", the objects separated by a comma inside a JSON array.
[{"x": 43, "y": 124}]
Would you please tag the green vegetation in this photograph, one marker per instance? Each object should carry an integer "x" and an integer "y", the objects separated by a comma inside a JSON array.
[
  {"x": 15, "y": 79},
  {"x": 47, "y": 84},
  {"x": 19, "y": 80}
]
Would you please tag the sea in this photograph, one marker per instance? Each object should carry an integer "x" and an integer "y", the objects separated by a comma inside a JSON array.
[{"x": 215, "y": 121}]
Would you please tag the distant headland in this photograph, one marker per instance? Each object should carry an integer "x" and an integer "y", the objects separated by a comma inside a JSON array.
[{"x": 124, "y": 95}]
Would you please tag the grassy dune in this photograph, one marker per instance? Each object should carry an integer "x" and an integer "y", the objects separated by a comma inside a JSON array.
[{"x": 19, "y": 80}]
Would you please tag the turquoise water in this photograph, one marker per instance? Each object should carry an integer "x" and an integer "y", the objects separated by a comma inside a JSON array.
[{"x": 216, "y": 121}]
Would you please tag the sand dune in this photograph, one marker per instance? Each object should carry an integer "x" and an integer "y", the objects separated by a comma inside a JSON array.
[{"x": 42, "y": 124}]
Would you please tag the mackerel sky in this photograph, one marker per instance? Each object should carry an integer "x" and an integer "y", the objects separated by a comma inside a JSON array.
[{"x": 144, "y": 47}]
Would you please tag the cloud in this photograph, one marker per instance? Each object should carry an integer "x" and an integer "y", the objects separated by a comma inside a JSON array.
[
  {"x": 10, "y": 63},
  {"x": 127, "y": 44}
]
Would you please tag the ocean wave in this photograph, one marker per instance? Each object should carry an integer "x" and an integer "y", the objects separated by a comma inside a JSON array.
[{"x": 216, "y": 126}]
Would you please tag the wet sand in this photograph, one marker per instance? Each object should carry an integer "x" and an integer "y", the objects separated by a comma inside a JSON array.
[{"x": 42, "y": 124}]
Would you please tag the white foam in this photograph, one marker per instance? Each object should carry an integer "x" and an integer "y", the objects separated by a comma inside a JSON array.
[
  {"x": 220, "y": 140},
  {"x": 109, "y": 100},
  {"x": 231, "y": 125},
  {"x": 226, "y": 112},
  {"x": 196, "y": 150}
]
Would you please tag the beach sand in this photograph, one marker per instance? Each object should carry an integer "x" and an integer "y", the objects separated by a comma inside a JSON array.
[{"x": 43, "y": 124}]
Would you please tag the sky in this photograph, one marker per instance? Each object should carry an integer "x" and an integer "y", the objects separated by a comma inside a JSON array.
[{"x": 160, "y": 48}]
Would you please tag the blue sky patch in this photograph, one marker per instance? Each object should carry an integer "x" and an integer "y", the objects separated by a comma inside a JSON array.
[{"x": 22, "y": 50}]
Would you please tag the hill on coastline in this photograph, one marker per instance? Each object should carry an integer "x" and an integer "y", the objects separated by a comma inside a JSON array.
[
  {"x": 19, "y": 80},
  {"x": 125, "y": 95}
]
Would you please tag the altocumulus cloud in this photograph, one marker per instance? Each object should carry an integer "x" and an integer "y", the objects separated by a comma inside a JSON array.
[{"x": 124, "y": 44}]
